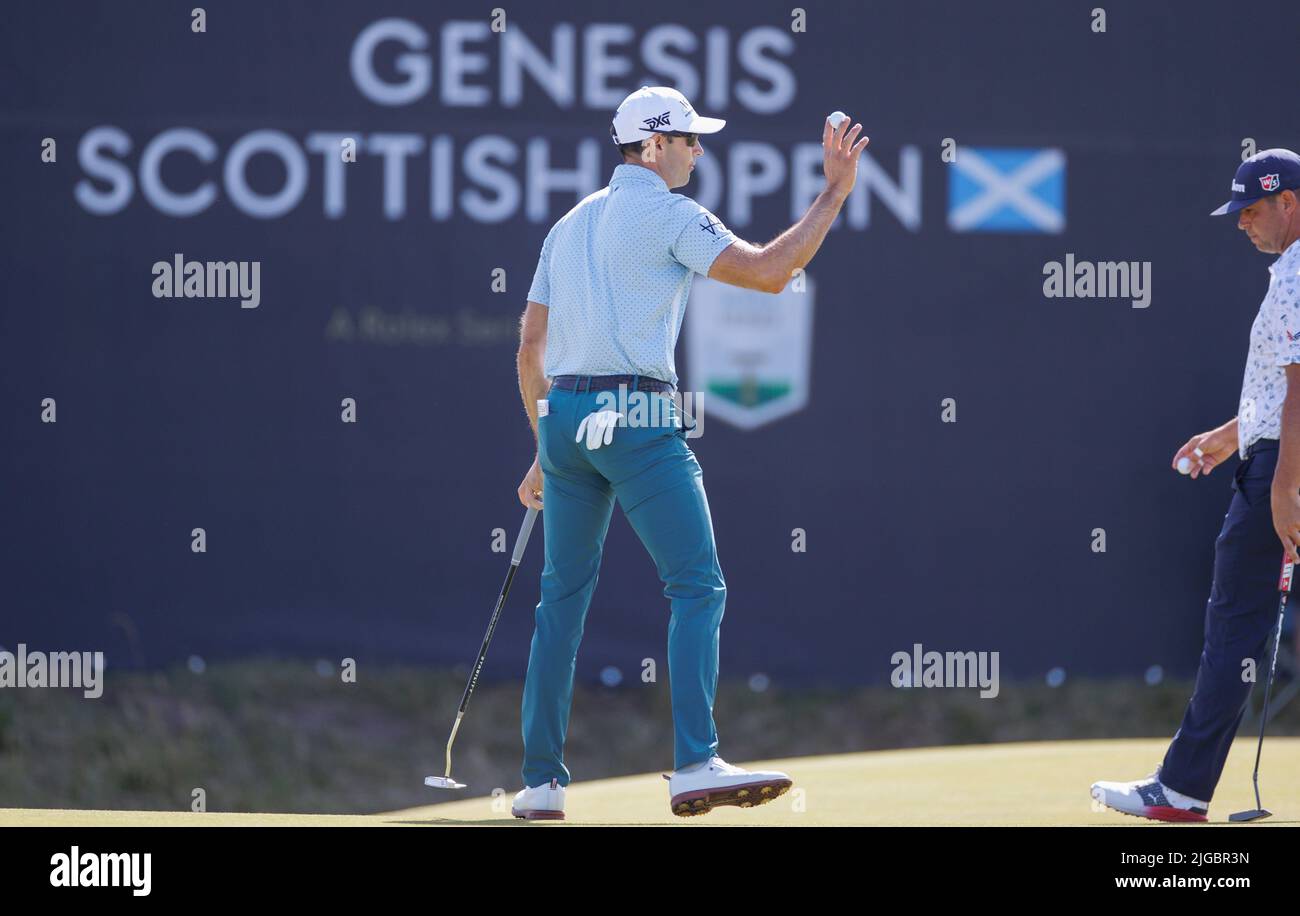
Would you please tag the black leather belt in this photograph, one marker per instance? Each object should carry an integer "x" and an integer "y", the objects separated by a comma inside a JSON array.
[
  {"x": 609, "y": 382},
  {"x": 1261, "y": 445}
]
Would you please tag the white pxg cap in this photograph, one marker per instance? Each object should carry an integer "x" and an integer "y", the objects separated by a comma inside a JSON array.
[{"x": 658, "y": 110}]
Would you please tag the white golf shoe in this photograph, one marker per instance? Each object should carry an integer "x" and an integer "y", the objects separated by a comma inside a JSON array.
[
  {"x": 701, "y": 787},
  {"x": 540, "y": 803},
  {"x": 1150, "y": 798}
]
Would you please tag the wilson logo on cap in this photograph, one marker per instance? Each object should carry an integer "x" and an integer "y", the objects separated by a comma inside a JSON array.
[{"x": 1269, "y": 171}]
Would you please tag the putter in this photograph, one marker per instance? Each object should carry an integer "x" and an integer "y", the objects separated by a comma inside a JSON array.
[
  {"x": 445, "y": 781},
  {"x": 1283, "y": 586}
]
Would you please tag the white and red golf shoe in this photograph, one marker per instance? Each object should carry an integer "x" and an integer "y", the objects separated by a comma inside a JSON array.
[
  {"x": 1150, "y": 798},
  {"x": 540, "y": 803},
  {"x": 701, "y": 787}
]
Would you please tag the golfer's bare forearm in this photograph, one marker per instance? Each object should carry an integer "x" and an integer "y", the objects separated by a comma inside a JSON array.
[
  {"x": 532, "y": 380},
  {"x": 1287, "y": 475},
  {"x": 795, "y": 247}
]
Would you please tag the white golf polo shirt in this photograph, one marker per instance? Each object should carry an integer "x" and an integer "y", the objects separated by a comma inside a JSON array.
[
  {"x": 1274, "y": 344},
  {"x": 615, "y": 273}
]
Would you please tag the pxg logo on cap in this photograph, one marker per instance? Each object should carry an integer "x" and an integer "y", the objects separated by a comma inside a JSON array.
[
  {"x": 658, "y": 109},
  {"x": 1264, "y": 173}
]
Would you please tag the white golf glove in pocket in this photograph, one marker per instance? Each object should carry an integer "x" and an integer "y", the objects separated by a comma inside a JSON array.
[{"x": 599, "y": 427}]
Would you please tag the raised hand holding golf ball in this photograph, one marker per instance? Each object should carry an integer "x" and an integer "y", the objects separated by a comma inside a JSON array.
[{"x": 841, "y": 147}]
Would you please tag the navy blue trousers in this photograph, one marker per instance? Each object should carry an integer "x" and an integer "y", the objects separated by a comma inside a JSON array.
[{"x": 1239, "y": 618}]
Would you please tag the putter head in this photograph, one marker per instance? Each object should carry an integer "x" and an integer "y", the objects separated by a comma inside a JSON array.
[
  {"x": 1255, "y": 815},
  {"x": 443, "y": 782}
]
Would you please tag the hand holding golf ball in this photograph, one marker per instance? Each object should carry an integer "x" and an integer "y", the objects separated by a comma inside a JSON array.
[
  {"x": 1185, "y": 463},
  {"x": 841, "y": 148}
]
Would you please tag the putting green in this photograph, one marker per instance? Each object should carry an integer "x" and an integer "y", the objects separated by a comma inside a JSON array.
[{"x": 1043, "y": 783}]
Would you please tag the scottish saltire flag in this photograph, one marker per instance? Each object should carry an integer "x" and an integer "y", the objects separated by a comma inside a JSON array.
[{"x": 1006, "y": 190}]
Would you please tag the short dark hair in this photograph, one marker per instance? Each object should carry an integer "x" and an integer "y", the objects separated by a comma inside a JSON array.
[{"x": 627, "y": 149}]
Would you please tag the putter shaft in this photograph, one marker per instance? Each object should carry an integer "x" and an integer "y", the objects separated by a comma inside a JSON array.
[
  {"x": 1284, "y": 587},
  {"x": 525, "y": 530}
]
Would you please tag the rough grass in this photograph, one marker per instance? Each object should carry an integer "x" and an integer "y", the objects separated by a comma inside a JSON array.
[{"x": 271, "y": 735}]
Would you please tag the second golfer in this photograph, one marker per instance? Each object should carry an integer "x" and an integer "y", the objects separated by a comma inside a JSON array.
[{"x": 1263, "y": 519}]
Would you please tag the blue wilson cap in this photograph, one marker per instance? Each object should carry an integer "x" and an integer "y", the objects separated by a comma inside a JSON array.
[{"x": 1265, "y": 173}]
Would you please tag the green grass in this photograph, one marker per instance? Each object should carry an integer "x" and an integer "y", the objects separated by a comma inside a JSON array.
[{"x": 269, "y": 735}]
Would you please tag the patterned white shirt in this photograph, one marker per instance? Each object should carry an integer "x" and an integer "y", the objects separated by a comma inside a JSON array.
[
  {"x": 615, "y": 273},
  {"x": 1274, "y": 344}
]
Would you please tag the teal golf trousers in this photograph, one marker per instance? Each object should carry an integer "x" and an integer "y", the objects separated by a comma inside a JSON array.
[{"x": 652, "y": 472}]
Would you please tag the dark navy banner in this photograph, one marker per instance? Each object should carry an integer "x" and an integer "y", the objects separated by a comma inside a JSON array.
[{"x": 263, "y": 277}]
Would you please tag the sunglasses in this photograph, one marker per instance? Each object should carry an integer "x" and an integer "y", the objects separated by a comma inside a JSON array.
[{"x": 691, "y": 139}]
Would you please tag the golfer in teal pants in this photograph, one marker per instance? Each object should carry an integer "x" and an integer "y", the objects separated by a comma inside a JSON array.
[
  {"x": 597, "y": 376},
  {"x": 653, "y": 475}
]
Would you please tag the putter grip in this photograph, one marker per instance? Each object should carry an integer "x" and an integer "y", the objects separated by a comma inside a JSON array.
[{"x": 522, "y": 541}]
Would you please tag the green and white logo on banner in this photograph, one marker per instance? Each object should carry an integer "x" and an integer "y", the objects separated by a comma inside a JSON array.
[{"x": 750, "y": 351}]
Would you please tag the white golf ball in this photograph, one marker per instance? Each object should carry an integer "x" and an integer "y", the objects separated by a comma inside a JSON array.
[
  {"x": 1184, "y": 465},
  {"x": 836, "y": 118}
]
